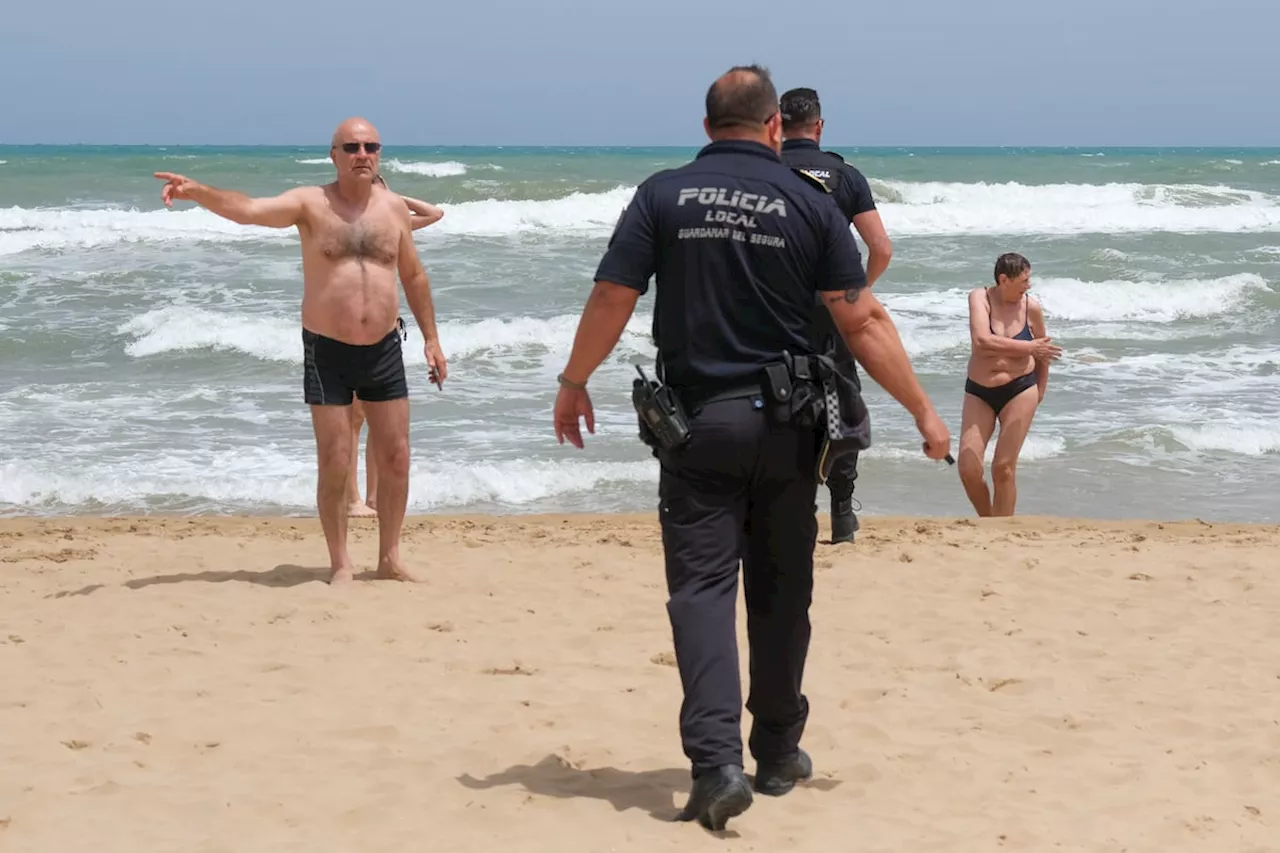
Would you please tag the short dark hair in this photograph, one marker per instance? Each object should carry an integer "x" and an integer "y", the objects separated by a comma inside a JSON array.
[
  {"x": 800, "y": 107},
  {"x": 1011, "y": 264},
  {"x": 743, "y": 96}
]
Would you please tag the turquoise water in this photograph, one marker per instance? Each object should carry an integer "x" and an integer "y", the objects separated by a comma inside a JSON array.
[{"x": 150, "y": 359}]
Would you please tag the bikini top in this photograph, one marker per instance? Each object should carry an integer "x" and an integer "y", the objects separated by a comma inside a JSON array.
[{"x": 1025, "y": 334}]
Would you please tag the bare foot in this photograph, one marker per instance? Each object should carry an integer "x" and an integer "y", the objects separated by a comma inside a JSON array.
[
  {"x": 391, "y": 570},
  {"x": 358, "y": 509},
  {"x": 342, "y": 576}
]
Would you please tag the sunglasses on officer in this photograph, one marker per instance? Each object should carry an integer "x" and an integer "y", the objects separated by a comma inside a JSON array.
[{"x": 369, "y": 147}]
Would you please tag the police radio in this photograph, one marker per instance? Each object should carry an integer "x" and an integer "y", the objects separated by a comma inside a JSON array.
[{"x": 660, "y": 412}]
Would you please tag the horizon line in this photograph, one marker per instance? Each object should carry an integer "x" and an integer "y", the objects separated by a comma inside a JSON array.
[{"x": 684, "y": 146}]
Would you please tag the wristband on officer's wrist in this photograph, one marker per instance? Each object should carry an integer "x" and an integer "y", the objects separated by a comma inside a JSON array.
[{"x": 569, "y": 383}]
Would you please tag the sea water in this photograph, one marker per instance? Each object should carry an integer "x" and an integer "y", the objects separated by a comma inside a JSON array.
[{"x": 150, "y": 358}]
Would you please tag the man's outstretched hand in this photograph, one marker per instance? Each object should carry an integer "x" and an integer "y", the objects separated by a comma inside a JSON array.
[
  {"x": 176, "y": 187},
  {"x": 572, "y": 404}
]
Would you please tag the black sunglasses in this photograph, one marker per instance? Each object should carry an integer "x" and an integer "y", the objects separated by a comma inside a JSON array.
[{"x": 369, "y": 147}]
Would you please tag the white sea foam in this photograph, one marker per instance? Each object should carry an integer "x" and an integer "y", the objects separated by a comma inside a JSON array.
[
  {"x": 1168, "y": 387},
  {"x": 582, "y": 214},
  {"x": 255, "y": 475},
  {"x": 62, "y": 228},
  {"x": 926, "y": 338},
  {"x": 275, "y": 338},
  {"x": 1211, "y": 366},
  {"x": 1207, "y": 430},
  {"x": 22, "y": 229},
  {"x": 1037, "y": 446},
  {"x": 1242, "y": 437},
  {"x": 908, "y": 208},
  {"x": 935, "y": 208},
  {"x": 1148, "y": 301},
  {"x": 1109, "y": 254},
  {"x": 427, "y": 168},
  {"x": 447, "y": 169},
  {"x": 1073, "y": 300},
  {"x": 284, "y": 477},
  {"x": 929, "y": 323}
]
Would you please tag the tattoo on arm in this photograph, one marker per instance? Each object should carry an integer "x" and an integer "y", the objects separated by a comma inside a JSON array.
[{"x": 851, "y": 295}]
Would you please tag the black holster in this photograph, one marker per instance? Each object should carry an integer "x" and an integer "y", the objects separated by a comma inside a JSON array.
[
  {"x": 793, "y": 392},
  {"x": 663, "y": 423},
  {"x": 812, "y": 391}
]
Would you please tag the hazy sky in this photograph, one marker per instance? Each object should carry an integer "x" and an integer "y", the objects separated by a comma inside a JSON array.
[{"x": 575, "y": 72}]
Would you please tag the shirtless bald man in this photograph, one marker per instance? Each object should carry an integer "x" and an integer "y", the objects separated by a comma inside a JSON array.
[{"x": 356, "y": 236}]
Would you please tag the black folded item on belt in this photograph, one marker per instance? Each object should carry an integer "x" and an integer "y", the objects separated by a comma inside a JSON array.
[{"x": 834, "y": 401}]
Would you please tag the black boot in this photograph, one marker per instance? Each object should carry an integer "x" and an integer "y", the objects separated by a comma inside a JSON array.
[
  {"x": 774, "y": 779},
  {"x": 717, "y": 795},
  {"x": 844, "y": 521}
]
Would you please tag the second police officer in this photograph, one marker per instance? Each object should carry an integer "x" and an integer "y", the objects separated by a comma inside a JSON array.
[
  {"x": 738, "y": 243},
  {"x": 802, "y": 125}
]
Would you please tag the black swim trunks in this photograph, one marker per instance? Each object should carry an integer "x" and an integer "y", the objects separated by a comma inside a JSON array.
[{"x": 334, "y": 372}]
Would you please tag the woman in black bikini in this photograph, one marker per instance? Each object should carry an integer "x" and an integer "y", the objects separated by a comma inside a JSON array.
[{"x": 1008, "y": 373}]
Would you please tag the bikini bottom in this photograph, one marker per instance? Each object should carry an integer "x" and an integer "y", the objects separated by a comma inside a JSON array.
[{"x": 998, "y": 397}]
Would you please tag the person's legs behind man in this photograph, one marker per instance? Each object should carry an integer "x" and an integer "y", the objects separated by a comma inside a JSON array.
[{"x": 356, "y": 507}]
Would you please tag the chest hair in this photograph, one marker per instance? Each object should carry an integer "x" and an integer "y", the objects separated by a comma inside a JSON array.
[{"x": 363, "y": 240}]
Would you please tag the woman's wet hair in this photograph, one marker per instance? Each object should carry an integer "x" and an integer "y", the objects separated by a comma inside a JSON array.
[{"x": 1011, "y": 264}]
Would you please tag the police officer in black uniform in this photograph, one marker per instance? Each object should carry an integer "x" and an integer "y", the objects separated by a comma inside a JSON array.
[
  {"x": 802, "y": 125},
  {"x": 739, "y": 243}
]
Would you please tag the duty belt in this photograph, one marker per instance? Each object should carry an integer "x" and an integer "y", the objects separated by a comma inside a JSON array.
[
  {"x": 796, "y": 390},
  {"x": 694, "y": 399}
]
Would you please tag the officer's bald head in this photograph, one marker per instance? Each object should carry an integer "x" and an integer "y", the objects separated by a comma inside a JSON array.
[
  {"x": 801, "y": 112},
  {"x": 743, "y": 104}
]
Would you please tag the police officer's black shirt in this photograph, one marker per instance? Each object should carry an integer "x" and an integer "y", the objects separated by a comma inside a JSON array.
[
  {"x": 847, "y": 184},
  {"x": 852, "y": 192},
  {"x": 739, "y": 245}
]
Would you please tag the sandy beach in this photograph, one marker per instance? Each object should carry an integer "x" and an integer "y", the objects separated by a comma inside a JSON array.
[{"x": 1030, "y": 684}]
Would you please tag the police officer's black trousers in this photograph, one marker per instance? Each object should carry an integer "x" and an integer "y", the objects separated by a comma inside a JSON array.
[
  {"x": 742, "y": 488},
  {"x": 843, "y": 472}
]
